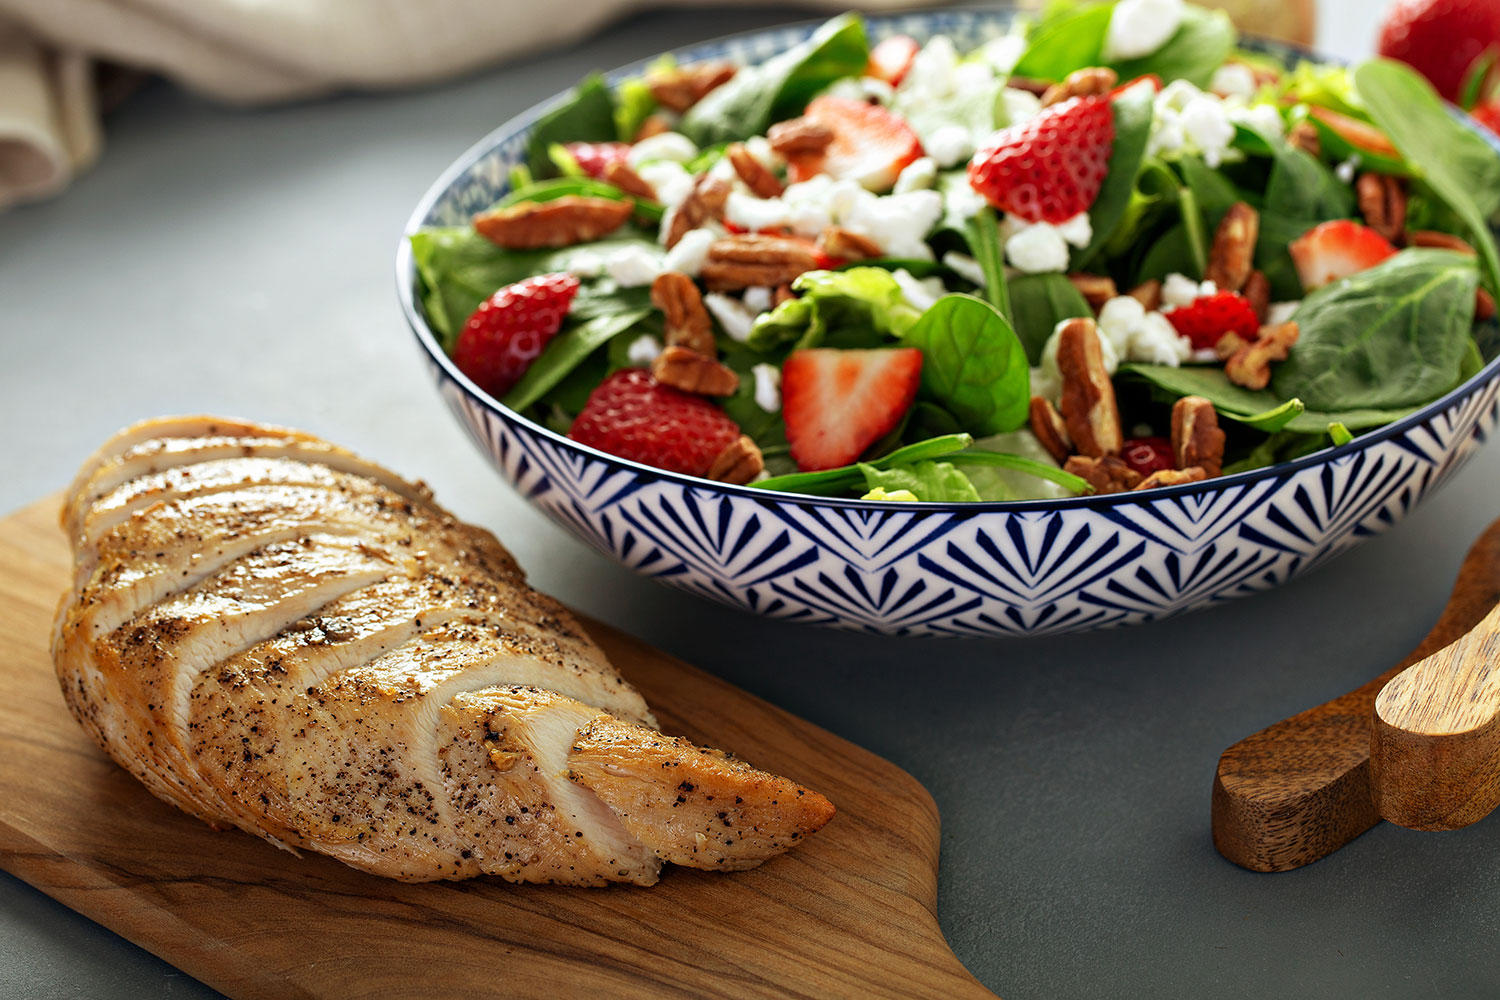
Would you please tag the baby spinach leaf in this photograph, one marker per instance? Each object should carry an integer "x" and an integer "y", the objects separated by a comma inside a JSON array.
[
  {"x": 830, "y": 482},
  {"x": 1172, "y": 253},
  {"x": 566, "y": 352},
  {"x": 973, "y": 364},
  {"x": 1132, "y": 110},
  {"x": 764, "y": 427},
  {"x": 932, "y": 481},
  {"x": 1200, "y": 45},
  {"x": 1194, "y": 232},
  {"x": 1038, "y": 302},
  {"x": 780, "y": 87},
  {"x": 1393, "y": 335},
  {"x": 1065, "y": 43},
  {"x": 1302, "y": 188},
  {"x": 586, "y": 115},
  {"x": 1212, "y": 191}
]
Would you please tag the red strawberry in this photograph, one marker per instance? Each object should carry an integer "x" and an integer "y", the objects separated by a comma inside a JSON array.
[
  {"x": 1440, "y": 38},
  {"x": 838, "y": 403},
  {"x": 1333, "y": 250},
  {"x": 1147, "y": 455},
  {"x": 890, "y": 59},
  {"x": 1488, "y": 115},
  {"x": 1208, "y": 317},
  {"x": 509, "y": 329},
  {"x": 1050, "y": 167},
  {"x": 870, "y": 144},
  {"x": 594, "y": 157},
  {"x": 634, "y": 416}
]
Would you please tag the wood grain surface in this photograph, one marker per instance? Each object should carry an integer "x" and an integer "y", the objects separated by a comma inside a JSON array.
[
  {"x": 850, "y": 913},
  {"x": 1300, "y": 789},
  {"x": 1435, "y": 743}
]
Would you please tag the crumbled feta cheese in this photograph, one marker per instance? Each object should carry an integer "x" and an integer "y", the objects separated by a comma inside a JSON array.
[
  {"x": 767, "y": 387},
  {"x": 731, "y": 314},
  {"x": 963, "y": 201},
  {"x": 1263, "y": 119},
  {"x": 669, "y": 180},
  {"x": 1233, "y": 79},
  {"x": 1154, "y": 341},
  {"x": 1140, "y": 27},
  {"x": 1047, "y": 384},
  {"x": 759, "y": 147},
  {"x": 1118, "y": 319},
  {"x": 930, "y": 74},
  {"x": 723, "y": 170},
  {"x": 918, "y": 175},
  {"x": 755, "y": 214},
  {"x": 1020, "y": 105},
  {"x": 1345, "y": 171},
  {"x": 1280, "y": 312},
  {"x": 949, "y": 145},
  {"x": 586, "y": 264},
  {"x": 964, "y": 266},
  {"x": 1004, "y": 52},
  {"x": 897, "y": 223},
  {"x": 673, "y": 146},
  {"x": 921, "y": 293},
  {"x": 643, "y": 350},
  {"x": 757, "y": 299},
  {"x": 861, "y": 88},
  {"x": 1037, "y": 248},
  {"x": 632, "y": 266},
  {"x": 1187, "y": 120},
  {"x": 1180, "y": 290},
  {"x": 1078, "y": 230},
  {"x": 690, "y": 252}
]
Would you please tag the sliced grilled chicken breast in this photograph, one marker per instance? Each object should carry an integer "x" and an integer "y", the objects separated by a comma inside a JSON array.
[{"x": 275, "y": 635}]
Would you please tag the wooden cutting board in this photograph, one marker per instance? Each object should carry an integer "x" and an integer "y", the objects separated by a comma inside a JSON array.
[{"x": 850, "y": 913}]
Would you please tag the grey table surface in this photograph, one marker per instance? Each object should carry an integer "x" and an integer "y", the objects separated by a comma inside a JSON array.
[{"x": 240, "y": 262}]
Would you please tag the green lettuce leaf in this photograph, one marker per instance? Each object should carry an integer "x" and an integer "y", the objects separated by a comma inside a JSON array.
[{"x": 854, "y": 307}]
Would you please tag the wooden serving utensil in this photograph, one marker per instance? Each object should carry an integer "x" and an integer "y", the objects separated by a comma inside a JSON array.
[
  {"x": 1299, "y": 790},
  {"x": 1435, "y": 745}
]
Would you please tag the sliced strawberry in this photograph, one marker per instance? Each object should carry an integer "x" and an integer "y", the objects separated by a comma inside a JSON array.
[
  {"x": 594, "y": 157},
  {"x": 1147, "y": 455},
  {"x": 838, "y": 403},
  {"x": 505, "y": 334},
  {"x": 1356, "y": 133},
  {"x": 1206, "y": 319},
  {"x": 1440, "y": 38},
  {"x": 891, "y": 58},
  {"x": 870, "y": 144},
  {"x": 632, "y": 415},
  {"x": 1050, "y": 167},
  {"x": 1337, "y": 249}
]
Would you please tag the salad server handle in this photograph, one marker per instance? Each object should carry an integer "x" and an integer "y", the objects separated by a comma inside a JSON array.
[
  {"x": 1435, "y": 742},
  {"x": 1300, "y": 789}
]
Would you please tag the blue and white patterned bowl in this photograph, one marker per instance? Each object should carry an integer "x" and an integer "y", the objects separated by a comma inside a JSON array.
[{"x": 1020, "y": 568}]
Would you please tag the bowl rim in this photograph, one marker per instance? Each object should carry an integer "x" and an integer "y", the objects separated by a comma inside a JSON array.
[{"x": 406, "y": 277}]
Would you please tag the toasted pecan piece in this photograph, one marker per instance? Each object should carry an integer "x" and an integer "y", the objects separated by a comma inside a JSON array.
[
  {"x": 561, "y": 222},
  {"x": 653, "y": 125},
  {"x": 1257, "y": 292},
  {"x": 781, "y": 294},
  {"x": 1171, "y": 477},
  {"x": 1096, "y": 289},
  {"x": 1148, "y": 294},
  {"x": 739, "y": 463},
  {"x": 1304, "y": 136},
  {"x": 687, "y": 322},
  {"x": 1047, "y": 424},
  {"x": 621, "y": 176},
  {"x": 1229, "y": 344},
  {"x": 680, "y": 87},
  {"x": 1231, "y": 258},
  {"x": 1250, "y": 366},
  {"x": 686, "y": 369},
  {"x": 836, "y": 241},
  {"x": 1091, "y": 81},
  {"x": 761, "y": 182},
  {"x": 1382, "y": 201},
  {"x": 1438, "y": 241},
  {"x": 742, "y": 261},
  {"x": 1197, "y": 440},
  {"x": 1089, "y": 409},
  {"x": 704, "y": 203},
  {"x": 1107, "y": 474},
  {"x": 799, "y": 137}
]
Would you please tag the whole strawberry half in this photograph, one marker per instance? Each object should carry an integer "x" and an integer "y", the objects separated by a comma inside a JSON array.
[
  {"x": 634, "y": 416},
  {"x": 1050, "y": 167},
  {"x": 837, "y": 403},
  {"x": 871, "y": 145},
  {"x": 594, "y": 157},
  {"x": 1333, "y": 250},
  {"x": 1440, "y": 38},
  {"x": 1206, "y": 319},
  {"x": 505, "y": 334}
]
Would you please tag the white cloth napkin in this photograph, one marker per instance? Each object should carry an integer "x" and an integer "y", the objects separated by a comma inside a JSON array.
[{"x": 247, "y": 51}]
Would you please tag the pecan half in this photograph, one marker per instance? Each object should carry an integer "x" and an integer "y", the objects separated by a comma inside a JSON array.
[
  {"x": 742, "y": 261},
  {"x": 705, "y": 202},
  {"x": 1031, "y": 85},
  {"x": 1229, "y": 344},
  {"x": 1196, "y": 437},
  {"x": 1304, "y": 136},
  {"x": 1251, "y": 365},
  {"x": 1257, "y": 292},
  {"x": 1148, "y": 294},
  {"x": 618, "y": 173},
  {"x": 653, "y": 125},
  {"x": 687, "y": 322},
  {"x": 1096, "y": 289},
  {"x": 680, "y": 87},
  {"x": 1439, "y": 241},
  {"x": 761, "y": 182},
  {"x": 838, "y": 242},
  {"x": 781, "y": 294},
  {"x": 1230, "y": 260},
  {"x": 1088, "y": 407},
  {"x": 1047, "y": 424},
  {"x": 560, "y": 222},
  {"x": 1109, "y": 474},
  {"x": 686, "y": 369},
  {"x": 1171, "y": 477},
  {"x": 799, "y": 136},
  {"x": 739, "y": 463},
  {"x": 1091, "y": 81},
  {"x": 1382, "y": 201}
]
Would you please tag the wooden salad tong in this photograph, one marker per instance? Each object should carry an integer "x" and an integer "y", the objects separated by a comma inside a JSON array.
[{"x": 1421, "y": 749}]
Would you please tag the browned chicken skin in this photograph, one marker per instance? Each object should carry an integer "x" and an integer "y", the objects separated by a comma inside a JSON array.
[{"x": 275, "y": 635}]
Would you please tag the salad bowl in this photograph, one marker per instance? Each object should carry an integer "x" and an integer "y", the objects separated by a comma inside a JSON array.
[{"x": 941, "y": 568}]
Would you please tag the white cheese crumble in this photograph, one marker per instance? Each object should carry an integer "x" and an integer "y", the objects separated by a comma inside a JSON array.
[
  {"x": 1038, "y": 247},
  {"x": 1262, "y": 119},
  {"x": 949, "y": 145},
  {"x": 757, "y": 299},
  {"x": 690, "y": 253},
  {"x": 1345, "y": 171},
  {"x": 643, "y": 350},
  {"x": 1233, "y": 79},
  {"x": 918, "y": 175},
  {"x": 964, "y": 266},
  {"x": 1140, "y": 27},
  {"x": 671, "y": 182},
  {"x": 632, "y": 266},
  {"x": 1004, "y": 52},
  {"x": 673, "y": 146},
  {"x": 1180, "y": 290},
  {"x": 921, "y": 293},
  {"x": 897, "y": 223},
  {"x": 861, "y": 88},
  {"x": 767, "y": 387},
  {"x": 1280, "y": 312},
  {"x": 1187, "y": 120},
  {"x": 731, "y": 314},
  {"x": 586, "y": 264},
  {"x": 1137, "y": 335}
]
